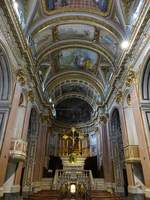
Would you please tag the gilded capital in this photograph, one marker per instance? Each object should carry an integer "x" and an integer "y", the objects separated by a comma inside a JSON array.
[
  {"x": 103, "y": 118},
  {"x": 131, "y": 78},
  {"x": 21, "y": 77},
  {"x": 119, "y": 97},
  {"x": 44, "y": 118},
  {"x": 30, "y": 96}
]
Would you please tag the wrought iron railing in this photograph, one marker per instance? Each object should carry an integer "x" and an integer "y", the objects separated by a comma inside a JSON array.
[{"x": 82, "y": 179}]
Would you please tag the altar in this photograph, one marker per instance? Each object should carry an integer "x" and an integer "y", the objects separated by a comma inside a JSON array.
[{"x": 77, "y": 165}]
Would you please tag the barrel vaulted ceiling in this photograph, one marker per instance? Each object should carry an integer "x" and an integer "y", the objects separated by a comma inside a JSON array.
[{"x": 77, "y": 45}]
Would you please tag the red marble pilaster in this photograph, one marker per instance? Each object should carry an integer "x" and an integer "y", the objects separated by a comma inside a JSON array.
[
  {"x": 8, "y": 133},
  {"x": 143, "y": 146}
]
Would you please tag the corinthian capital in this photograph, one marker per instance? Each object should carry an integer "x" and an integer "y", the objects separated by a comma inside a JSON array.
[
  {"x": 131, "y": 78},
  {"x": 21, "y": 76}
]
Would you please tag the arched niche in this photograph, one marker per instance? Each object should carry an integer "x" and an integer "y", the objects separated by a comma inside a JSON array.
[
  {"x": 5, "y": 90},
  {"x": 5, "y": 80},
  {"x": 119, "y": 170}
]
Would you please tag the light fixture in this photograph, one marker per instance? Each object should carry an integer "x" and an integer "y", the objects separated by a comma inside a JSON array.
[
  {"x": 50, "y": 100},
  {"x": 124, "y": 44},
  {"x": 15, "y": 4}
]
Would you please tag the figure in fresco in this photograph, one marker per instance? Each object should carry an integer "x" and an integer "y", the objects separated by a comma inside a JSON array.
[
  {"x": 103, "y": 5},
  {"x": 50, "y": 4},
  {"x": 64, "y": 3}
]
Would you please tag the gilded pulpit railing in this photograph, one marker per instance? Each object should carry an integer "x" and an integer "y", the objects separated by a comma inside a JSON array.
[{"x": 132, "y": 153}]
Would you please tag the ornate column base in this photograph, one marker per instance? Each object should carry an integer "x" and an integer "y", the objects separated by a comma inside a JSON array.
[
  {"x": 147, "y": 192},
  {"x": 135, "y": 190},
  {"x": 27, "y": 188},
  {"x": 15, "y": 189},
  {"x": 109, "y": 187},
  {"x": 36, "y": 186},
  {"x": 1, "y": 191}
]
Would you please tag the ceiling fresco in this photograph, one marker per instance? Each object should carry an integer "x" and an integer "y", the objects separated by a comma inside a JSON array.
[
  {"x": 81, "y": 37},
  {"x": 80, "y": 31},
  {"x": 75, "y": 58},
  {"x": 109, "y": 42},
  {"x": 102, "y": 5}
]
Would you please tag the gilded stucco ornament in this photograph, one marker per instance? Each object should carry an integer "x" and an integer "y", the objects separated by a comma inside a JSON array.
[
  {"x": 131, "y": 78},
  {"x": 21, "y": 76},
  {"x": 129, "y": 100},
  {"x": 30, "y": 96},
  {"x": 44, "y": 118},
  {"x": 119, "y": 97},
  {"x": 103, "y": 118}
]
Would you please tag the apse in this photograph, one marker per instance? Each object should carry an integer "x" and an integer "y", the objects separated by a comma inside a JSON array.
[{"x": 73, "y": 110}]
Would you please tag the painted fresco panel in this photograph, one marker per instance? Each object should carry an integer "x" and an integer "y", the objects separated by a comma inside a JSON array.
[
  {"x": 75, "y": 58},
  {"x": 81, "y": 31}
]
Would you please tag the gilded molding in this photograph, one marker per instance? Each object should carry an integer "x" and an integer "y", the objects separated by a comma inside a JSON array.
[
  {"x": 30, "y": 96},
  {"x": 119, "y": 97},
  {"x": 132, "y": 153},
  {"x": 21, "y": 76}
]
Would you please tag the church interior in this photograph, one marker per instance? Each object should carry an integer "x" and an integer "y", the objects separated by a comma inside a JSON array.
[{"x": 74, "y": 99}]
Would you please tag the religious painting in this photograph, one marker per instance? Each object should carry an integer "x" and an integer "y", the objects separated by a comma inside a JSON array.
[
  {"x": 76, "y": 58},
  {"x": 81, "y": 31},
  {"x": 43, "y": 37}
]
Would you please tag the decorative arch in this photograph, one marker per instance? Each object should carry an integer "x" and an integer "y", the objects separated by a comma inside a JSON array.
[
  {"x": 146, "y": 81},
  {"x": 33, "y": 123},
  {"x": 117, "y": 151},
  {"x": 5, "y": 90},
  {"x": 5, "y": 76}
]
